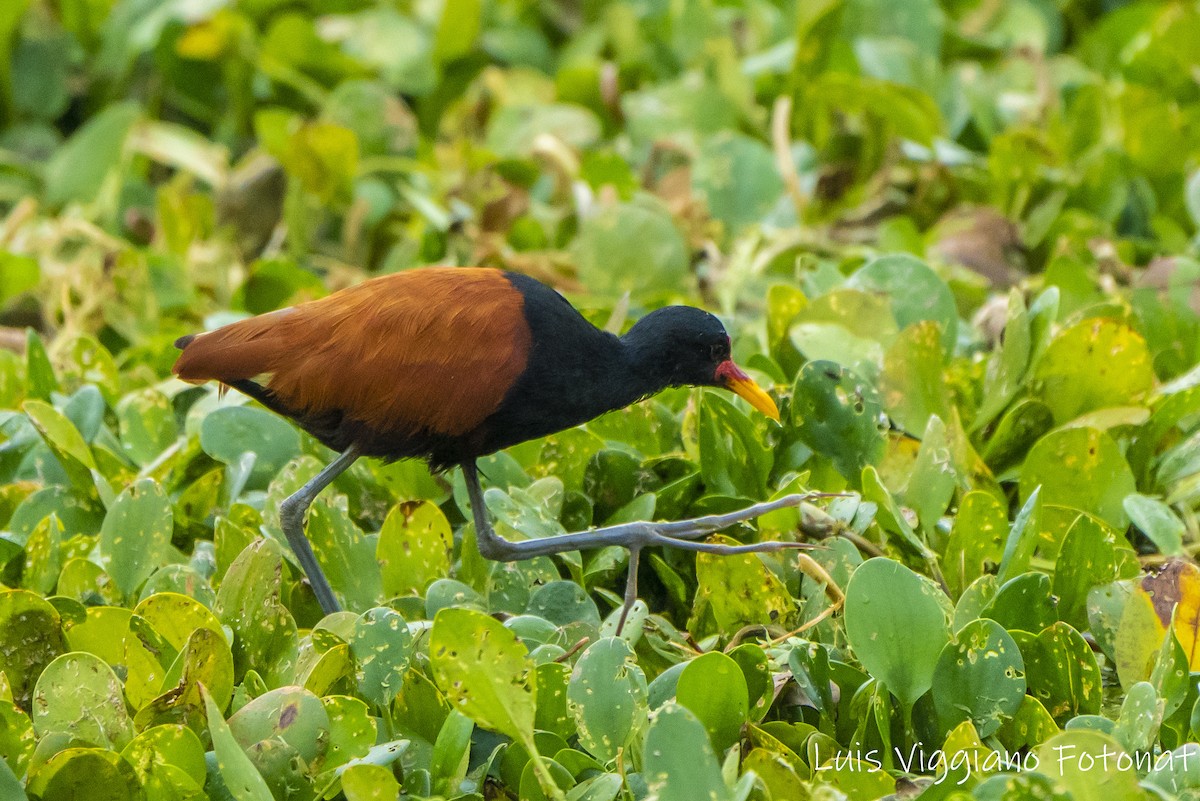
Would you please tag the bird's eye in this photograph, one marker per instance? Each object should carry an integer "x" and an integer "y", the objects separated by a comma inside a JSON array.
[{"x": 715, "y": 352}]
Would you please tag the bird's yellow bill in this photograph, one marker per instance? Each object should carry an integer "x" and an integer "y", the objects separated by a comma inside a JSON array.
[{"x": 754, "y": 395}]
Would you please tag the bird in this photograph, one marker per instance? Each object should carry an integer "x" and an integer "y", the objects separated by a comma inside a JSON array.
[{"x": 449, "y": 364}]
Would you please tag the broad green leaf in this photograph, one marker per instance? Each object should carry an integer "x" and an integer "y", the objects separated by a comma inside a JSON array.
[
  {"x": 413, "y": 549},
  {"x": 1091, "y": 365},
  {"x": 235, "y": 768},
  {"x": 1082, "y": 468},
  {"x": 1061, "y": 671},
  {"x": 680, "y": 764},
  {"x": 78, "y": 694},
  {"x": 979, "y": 677},
  {"x": 738, "y": 590},
  {"x": 607, "y": 697},
  {"x": 230, "y": 431},
  {"x": 1074, "y": 762},
  {"x": 136, "y": 535},
  {"x": 78, "y": 170},
  {"x": 94, "y": 773},
  {"x": 382, "y": 647},
  {"x": 838, "y": 415},
  {"x": 897, "y": 623},
  {"x": 632, "y": 248},
  {"x": 713, "y": 688},
  {"x": 30, "y": 639},
  {"x": 484, "y": 671}
]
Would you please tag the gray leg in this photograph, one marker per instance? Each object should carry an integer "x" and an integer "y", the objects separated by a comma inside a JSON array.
[
  {"x": 632, "y": 536},
  {"x": 291, "y": 520}
]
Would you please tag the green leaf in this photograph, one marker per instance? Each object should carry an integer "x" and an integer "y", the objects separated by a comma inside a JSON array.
[
  {"x": 679, "y": 761},
  {"x": 897, "y": 623},
  {"x": 1061, "y": 671},
  {"x": 837, "y": 414},
  {"x": 382, "y": 647},
  {"x": 413, "y": 549},
  {"x": 1082, "y": 468},
  {"x": 79, "y": 695},
  {"x": 18, "y": 274},
  {"x": 1093, "y": 364},
  {"x": 1157, "y": 521},
  {"x": 458, "y": 30},
  {"x": 631, "y": 247},
  {"x": 733, "y": 460},
  {"x": 607, "y": 697},
  {"x": 136, "y": 535},
  {"x": 30, "y": 639},
  {"x": 911, "y": 386},
  {"x": 713, "y": 688},
  {"x": 980, "y": 677},
  {"x": 236, "y": 770},
  {"x": 78, "y": 170},
  {"x": 915, "y": 293},
  {"x": 230, "y": 431},
  {"x": 738, "y": 590},
  {"x": 484, "y": 671}
]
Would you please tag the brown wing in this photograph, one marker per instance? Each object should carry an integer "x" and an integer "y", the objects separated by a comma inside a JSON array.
[{"x": 433, "y": 349}]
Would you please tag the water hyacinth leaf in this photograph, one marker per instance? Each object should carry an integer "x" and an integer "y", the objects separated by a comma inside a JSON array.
[
  {"x": 30, "y": 639},
  {"x": 352, "y": 730},
  {"x": 838, "y": 415},
  {"x": 413, "y": 549},
  {"x": 738, "y": 177},
  {"x": 979, "y": 677},
  {"x": 43, "y": 556},
  {"x": 1086, "y": 559},
  {"x": 229, "y": 431},
  {"x": 236, "y": 770},
  {"x": 752, "y": 660},
  {"x": 79, "y": 169},
  {"x": 367, "y": 782},
  {"x": 1157, "y": 521},
  {"x": 915, "y": 293},
  {"x": 92, "y": 773},
  {"x": 136, "y": 535},
  {"x": 1061, "y": 671},
  {"x": 934, "y": 476},
  {"x": 606, "y": 696},
  {"x": 680, "y": 764},
  {"x": 78, "y": 694},
  {"x": 346, "y": 555},
  {"x": 733, "y": 460},
  {"x": 65, "y": 442},
  {"x": 249, "y": 602},
  {"x": 912, "y": 387},
  {"x": 898, "y": 623},
  {"x": 1082, "y": 468},
  {"x": 291, "y": 714},
  {"x": 161, "y": 753},
  {"x": 976, "y": 539},
  {"x": 1075, "y": 763},
  {"x": 448, "y": 762},
  {"x": 1094, "y": 364},
  {"x": 714, "y": 689},
  {"x": 1025, "y": 602},
  {"x": 382, "y": 648},
  {"x": 484, "y": 671},
  {"x": 147, "y": 425},
  {"x": 738, "y": 590},
  {"x": 17, "y": 738},
  {"x": 565, "y": 603}
]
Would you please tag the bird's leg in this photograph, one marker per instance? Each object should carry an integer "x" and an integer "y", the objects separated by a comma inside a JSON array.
[
  {"x": 632, "y": 536},
  {"x": 291, "y": 520}
]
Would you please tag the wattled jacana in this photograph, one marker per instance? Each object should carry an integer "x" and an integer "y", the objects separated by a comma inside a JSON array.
[{"x": 450, "y": 364}]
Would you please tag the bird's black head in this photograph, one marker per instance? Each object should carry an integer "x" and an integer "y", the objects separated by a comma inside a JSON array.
[{"x": 685, "y": 346}]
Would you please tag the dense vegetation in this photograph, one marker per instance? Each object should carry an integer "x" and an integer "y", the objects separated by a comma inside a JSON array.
[{"x": 957, "y": 240}]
